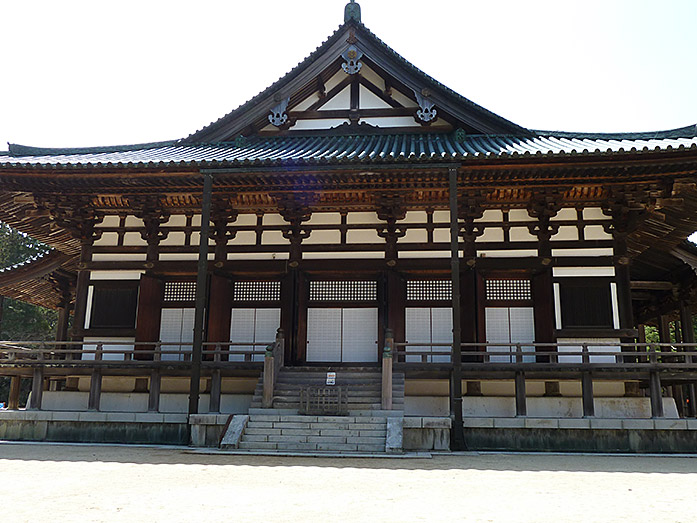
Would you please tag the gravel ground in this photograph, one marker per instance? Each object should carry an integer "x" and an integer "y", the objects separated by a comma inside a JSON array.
[{"x": 42, "y": 482}]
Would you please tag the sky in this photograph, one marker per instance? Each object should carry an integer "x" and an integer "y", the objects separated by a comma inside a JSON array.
[{"x": 87, "y": 73}]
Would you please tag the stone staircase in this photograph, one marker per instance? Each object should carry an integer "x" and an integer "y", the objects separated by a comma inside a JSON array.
[
  {"x": 364, "y": 428},
  {"x": 364, "y": 386}
]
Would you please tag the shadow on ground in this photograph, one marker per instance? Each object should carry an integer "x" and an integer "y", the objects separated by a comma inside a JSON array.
[{"x": 467, "y": 461}]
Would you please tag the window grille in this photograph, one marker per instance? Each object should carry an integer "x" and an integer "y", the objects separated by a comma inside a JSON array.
[
  {"x": 257, "y": 291},
  {"x": 508, "y": 290},
  {"x": 180, "y": 291},
  {"x": 429, "y": 290},
  {"x": 343, "y": 291}
]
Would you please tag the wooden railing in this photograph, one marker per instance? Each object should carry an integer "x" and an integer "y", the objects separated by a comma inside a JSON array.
[
  {"x": 584, "y": 361},
  {"x": 273, "y": 362},
  {"x": 149, "y": 359}
]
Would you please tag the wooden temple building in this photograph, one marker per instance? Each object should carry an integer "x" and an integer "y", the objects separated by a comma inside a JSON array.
[{"x": 461, "y": 274}]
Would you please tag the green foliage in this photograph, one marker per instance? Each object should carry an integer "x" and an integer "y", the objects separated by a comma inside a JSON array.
[{"x": 18, "y": 320}]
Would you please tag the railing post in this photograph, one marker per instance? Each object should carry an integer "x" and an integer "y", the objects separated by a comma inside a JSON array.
[
  {"x": 268, "y": 384},
  {"x": 521, "y": 406},
  {"x": 96, "y": 382},
  {"x": 214, "y": 402},
  {"x": 155, "y": 381},
  {"x": 387, "y": 370},
  {"x": 37, "y": 383},
  {"x": 655, "y": 388},
  {"x": 587, "y": 386},
  {"x": 13, "y": 400}
]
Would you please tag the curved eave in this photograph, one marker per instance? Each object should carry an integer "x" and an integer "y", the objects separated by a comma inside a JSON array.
[{"x": 30, "y": 281}]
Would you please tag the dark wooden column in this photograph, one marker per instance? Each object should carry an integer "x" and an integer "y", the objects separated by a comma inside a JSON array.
[
  {"x": 154, "y": 215},
  {"x": 221, "y": 287},
  {"x": 150, "y": 296},
  {"x": 391, "y": 209},
  {"x": 457, "y": 439},
  {"x": 296, "y": 212},
  {"x": 544, "y": 207},
  {"x": 396, "y": 290},
  {"x": 470, "y": 209},
  {"x": 688, "y": 336}
]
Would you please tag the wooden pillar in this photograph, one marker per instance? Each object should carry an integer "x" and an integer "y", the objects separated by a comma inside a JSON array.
[
  {"x": 201, "y": 295},
  {"x": 521, "y": 407},
  {"x": 688, "y": 336},
  {"x": 15, "y": 386},
  {"x": 216, "y": 383},
  {"x": 396, "y": 304},
  {"x": 37, "y": 389},
  {"x": 154, "y": 391},
  {"x": 150, "y": 296},
  {"x": 543, "y": 299},
  {"x": 220, "y": 311},
  {"x": 289, "y": 313},
  {"x": 81, "y": 290},
  {"x": 587, "y": 393},
  {"x": 656, "y": 395},
  {"x": 457, "y": 432}
]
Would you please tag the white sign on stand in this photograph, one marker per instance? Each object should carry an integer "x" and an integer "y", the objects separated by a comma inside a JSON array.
[{"x": 331, "y": 378}]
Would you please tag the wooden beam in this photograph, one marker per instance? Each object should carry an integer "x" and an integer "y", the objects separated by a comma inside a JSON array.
[
  {"x": 651, "y": 285},
  {"x": 521, "y": 407}
]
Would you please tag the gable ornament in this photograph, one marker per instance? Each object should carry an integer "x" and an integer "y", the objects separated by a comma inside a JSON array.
[
  {"x": 352, "y": 55},
  {"x": 427, "y": 109},
  {"x": 278, "y": 115}
]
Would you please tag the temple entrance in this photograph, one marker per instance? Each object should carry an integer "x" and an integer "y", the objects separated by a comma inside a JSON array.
[
  {"x": 509, "y": 318},
  {"x": 342, "y": 335},
  {"x": 342, "y": 322}
]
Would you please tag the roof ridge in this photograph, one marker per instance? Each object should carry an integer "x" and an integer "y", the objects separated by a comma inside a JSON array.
[
  {"x": 28, "y": 150},
  {"x": 689, "y": 131}
]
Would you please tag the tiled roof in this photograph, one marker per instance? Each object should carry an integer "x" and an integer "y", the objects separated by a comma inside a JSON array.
[{"x": 304, "y": 150}]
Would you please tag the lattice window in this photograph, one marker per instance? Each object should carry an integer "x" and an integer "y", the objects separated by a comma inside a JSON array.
[
  {"x": 429, "y": 290},
  {"x": 180, "y": 291},
  {"x": 257, "y": 291},
  {"x": 343, "y": 291},
  {"x": 508, "y": 290}
]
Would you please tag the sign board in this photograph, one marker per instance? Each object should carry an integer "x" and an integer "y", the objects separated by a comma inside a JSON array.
[{"x": 331, "y": 378}]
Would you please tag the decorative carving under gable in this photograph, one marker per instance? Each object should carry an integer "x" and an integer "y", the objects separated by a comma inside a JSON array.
[
  {"x": 352, "y": 56},
  {"x": 391, "y": 209},
  {"x": 470, "y": 208},
  {"x": 427, "y": 108},
  {"x": 279, "y": 116},
  {"x": 544, "y": 207},
  {"x": 149, "y": 209},
  {"x": 295, "y": 211},
  {"x": 222, "y": 215},
  {"x": 75, "y": 214},
  {"x": 628, "y": 208}
]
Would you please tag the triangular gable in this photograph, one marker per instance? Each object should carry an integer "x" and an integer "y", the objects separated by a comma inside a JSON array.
[{"x": 354, "y": 82}]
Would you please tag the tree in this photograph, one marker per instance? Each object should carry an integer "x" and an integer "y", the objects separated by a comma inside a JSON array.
[{"x": 18, "y": 320}]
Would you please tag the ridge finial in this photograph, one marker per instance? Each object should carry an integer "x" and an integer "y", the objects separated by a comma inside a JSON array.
[{"x": 352, "y": 12}]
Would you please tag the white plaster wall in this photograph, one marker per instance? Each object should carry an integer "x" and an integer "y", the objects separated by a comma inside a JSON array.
[
  {"x": 244, "y": 238},
  {"x": 519, "y": 215},
  {"x": 116, "y": 275},
  {"x": 350, "y": 255},
  {"x": 582, "y": 252},
  {"x": 441, "y": 236},
  {"x": 323, "y": 238},
  {"x": 98, "y": 257},
  {"x": 594, "y": 213},
  {"x": 258, "y": 256},
  {"x": 174, "y": 238},
  {"x": 353, "y": 218},
  {"x": 364, "y": 236},
  {"x": 424, "y": 254},
  {"x": 443, "y": 216},
  {"x": 595, "y": 232},
  {"x": 245, "y": 220},
  {"x": 566, "y": 233},
  {"x": 566, "y": 214},
  {"x": 341, "y": 101},
  {"x": 133, "y": 239},
  {"x": 372, "y": 77},
  {"x": 583, "y": 271},
  {"x": 274, "y": 238},
  {"x": 415, "y": 217},
  {"x": 518, "y": 253},
  {"x": 490, "y": 215},
  {"x": 110, "y": 221},
  {"x": 325, "y": 218},
  {"x": 491, "y": 234},
  {"x": 367, "y": 100},
  {"x": 521, "y": 234},
  {"x": 108, "y": 239},
  {"x": 415, "y": 236}
]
